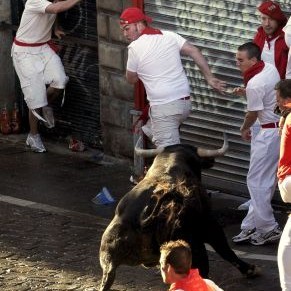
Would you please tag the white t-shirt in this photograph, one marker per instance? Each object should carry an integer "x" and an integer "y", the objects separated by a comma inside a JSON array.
[
  {"x": 287, "y": 30},
  {"x": 261, "y": 94},
  {"x": 268, "y": 54},
  {"x": 35, "y": 25},
  {"x": 157, "y": 61}
]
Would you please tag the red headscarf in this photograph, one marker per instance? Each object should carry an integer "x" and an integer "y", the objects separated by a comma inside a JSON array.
[{"x": 273, "y": 10}]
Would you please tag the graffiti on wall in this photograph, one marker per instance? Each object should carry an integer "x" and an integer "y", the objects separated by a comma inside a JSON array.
[{"x": 80, "y": 58}]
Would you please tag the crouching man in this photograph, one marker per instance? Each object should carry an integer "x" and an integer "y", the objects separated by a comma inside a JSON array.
[{"x": 175, "y": 263}]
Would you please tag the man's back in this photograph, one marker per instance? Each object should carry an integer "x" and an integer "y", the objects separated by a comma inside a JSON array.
[{"x": 156, "y": 59}]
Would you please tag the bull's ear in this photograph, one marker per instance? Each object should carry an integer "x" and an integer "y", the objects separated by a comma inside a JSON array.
[{"x": 207, "y": 163}]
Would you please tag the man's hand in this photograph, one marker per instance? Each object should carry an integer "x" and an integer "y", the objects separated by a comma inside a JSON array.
[
  {"x": 246, "y": 134},
  {"x": 131, "y": 77},
  {"x": 239, "y": 91},
  {"x": 59, "y": 33},
  {"x": 217, "y": 84}
]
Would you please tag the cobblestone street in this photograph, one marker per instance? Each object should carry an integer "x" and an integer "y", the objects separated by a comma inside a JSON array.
[
  {"x": 40, "y": 250},
  {"x": 50, "y": 230}
]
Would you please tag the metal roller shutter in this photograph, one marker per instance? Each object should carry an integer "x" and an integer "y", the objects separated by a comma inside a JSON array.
[
  {"x": 217, "y": 28},
  {"x": 80, "y": 114}
]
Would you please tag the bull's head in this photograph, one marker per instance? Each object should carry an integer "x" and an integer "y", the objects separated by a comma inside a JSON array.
[{"x": 200, "y": 151}]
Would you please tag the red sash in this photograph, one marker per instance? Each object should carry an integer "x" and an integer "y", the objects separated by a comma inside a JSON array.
[{"x": 52, "y": 45}]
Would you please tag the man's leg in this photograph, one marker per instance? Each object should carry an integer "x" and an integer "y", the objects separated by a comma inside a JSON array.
[
  {"x": 33, "y": 122},
  {"x": 54, "y": 75},
  {"x": 52, "y": 94},
  {"x": 34, "y": 91},
  {"x": 33, "y": 139},
  {"x": 166, "y": 120},
  {"x": 47, "y": 111}
]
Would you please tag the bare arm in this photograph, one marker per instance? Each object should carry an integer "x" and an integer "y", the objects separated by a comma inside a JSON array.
[
  {"x": 250, "y": 119},
  {"x": 60, "y": 6},
  {"x": 193, "y": 52},
  {"x": 131, "y": 77}
]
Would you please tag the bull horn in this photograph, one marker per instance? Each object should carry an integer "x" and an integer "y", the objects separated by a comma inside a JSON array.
[
  {"x": 147, "y": 153},
  {"x": 214, "y": 153}
]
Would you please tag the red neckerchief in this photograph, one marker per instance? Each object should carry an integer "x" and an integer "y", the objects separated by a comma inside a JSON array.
[
  {"x": 281, "y": 49},
  {"x": 261, "y": 37},
  {"x": 252, "y": 71},
  {"x": 275, "y": 35},
  {"x": 151, "y": 30}
]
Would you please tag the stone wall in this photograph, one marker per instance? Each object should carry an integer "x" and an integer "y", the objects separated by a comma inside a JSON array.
[
  {"x": 7, "y": 93},
  {"x": 116, "y": 95}
]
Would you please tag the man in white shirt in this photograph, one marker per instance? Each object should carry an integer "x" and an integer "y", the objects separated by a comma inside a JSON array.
[
  {"x": 154, "y": 58},
  {"x": 39, "y": 68},
  {"x": 270, "y": 39},
  {"x": 259, "y": 226},
  {"x": 270, "y": 36}
]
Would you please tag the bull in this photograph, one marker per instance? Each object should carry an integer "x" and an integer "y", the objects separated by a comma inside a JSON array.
[{"x": 169, "y": 203}]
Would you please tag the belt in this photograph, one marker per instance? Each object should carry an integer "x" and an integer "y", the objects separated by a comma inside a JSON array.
[
  {"x": 270, "y": 125},
  {"x": 185, "y": 98}
]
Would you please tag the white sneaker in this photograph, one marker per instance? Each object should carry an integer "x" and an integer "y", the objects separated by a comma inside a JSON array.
[
  {"x": 48, "y": 115},
  {"x": 259, "y": 239},
  {"x": 244, "y": 206},
  {"x": 244, "y": 235},
  {"x": 35, "y": 143}
]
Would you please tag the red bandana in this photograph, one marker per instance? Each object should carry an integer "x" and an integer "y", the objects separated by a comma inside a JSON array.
[
  {"x": 252, "y": 71},
  {"x": 151, "y": 30},
  {"x": 275, "y": 35}
]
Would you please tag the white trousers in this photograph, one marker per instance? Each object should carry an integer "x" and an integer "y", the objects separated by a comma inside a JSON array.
[
  {"x": 262, "y": 180},
  {"x": 284, "y": 257},
  {"x": 284, "y": 250},
  {"x": 163, "y": 126}
]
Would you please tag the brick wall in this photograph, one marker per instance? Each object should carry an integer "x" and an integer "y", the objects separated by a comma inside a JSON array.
[{"x": 116, "y": 95}]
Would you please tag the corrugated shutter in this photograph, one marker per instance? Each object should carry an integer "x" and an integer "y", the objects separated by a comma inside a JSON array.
[
  {"x": 80, "y": 114},
  {"x": 217, "y": 28}
]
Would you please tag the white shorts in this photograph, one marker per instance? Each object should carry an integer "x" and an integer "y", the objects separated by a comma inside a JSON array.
[{"x": 35, "y": 71}]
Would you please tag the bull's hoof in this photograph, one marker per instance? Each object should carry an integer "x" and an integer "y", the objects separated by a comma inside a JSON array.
[{"x": 253, "y": 272}]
